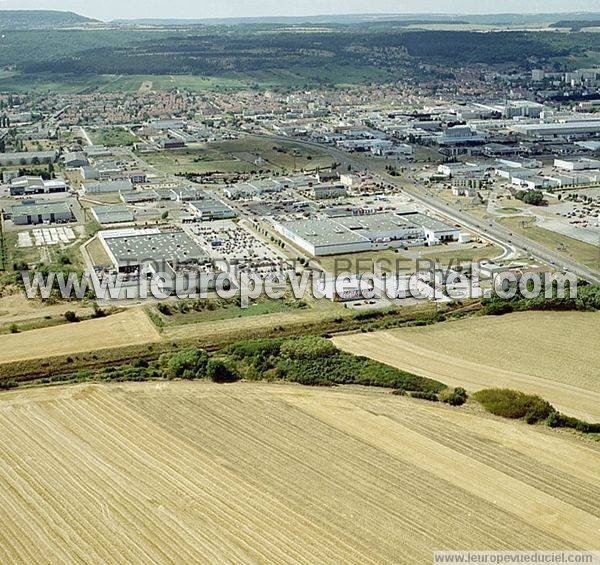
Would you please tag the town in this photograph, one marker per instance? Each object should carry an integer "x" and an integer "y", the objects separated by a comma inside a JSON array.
[
  {"x": 299, "y": 288},
  {"x": 311, "y": 177}
]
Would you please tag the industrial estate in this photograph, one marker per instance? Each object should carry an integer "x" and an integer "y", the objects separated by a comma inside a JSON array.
[{"x": 460, "y": 412}]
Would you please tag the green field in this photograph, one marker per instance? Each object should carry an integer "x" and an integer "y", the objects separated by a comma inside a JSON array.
[
  {"x": 332, "y": 75},
  {"x": 238, "y": 156},
  {"x": 211, "y": 310},
  {"x": 112, "y": 137}
]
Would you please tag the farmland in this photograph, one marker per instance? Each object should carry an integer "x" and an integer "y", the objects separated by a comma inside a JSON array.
[
  {"x": 128, "y": 328},
  {"x": 251, "y": 472},
  {"x": 551, "y": 354},
  {"x": 239, "y": 156}
]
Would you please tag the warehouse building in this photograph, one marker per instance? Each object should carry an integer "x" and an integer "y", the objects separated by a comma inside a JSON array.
[
  {"x": 112, "y": 214},
  {"x": 29, "y": 185},
  {"x": 132, "y": 249},
  {"x": 327, "y": 191},
  {"x": 386, "y": 228},
  {"x": 31, "y": 213},
  {"x": 581, "y": 164},
  {"x": 27, "y": 158},
  {"x": 210, "y": 208},
  {"x": 108, "y": 186},
  {"x": 435, "y": 231},
  {"x": 559, "y": 129},
  {"x": 322, "y": 237}
]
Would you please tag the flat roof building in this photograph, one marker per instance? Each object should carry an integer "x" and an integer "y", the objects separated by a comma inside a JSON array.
[
  {"x": 129, "y": 250},
  {"x": 112, "y": 214},
  {"x": 32, "y": 212},
  {"x": 557, "y": 129},
  {"x": 323, "y": 237},
  {"x": 108, "y": 186}
]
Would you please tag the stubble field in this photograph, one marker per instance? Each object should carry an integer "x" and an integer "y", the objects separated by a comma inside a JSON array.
[
  {"x": 131, "y": 327},
  {"x": 553, "y": 354},
  {"x": 196, "y": 472}
]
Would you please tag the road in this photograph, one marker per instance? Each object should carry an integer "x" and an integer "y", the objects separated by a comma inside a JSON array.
[{"x": 488, "y": 229}]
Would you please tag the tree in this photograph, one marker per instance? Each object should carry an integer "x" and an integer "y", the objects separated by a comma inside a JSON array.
[
  {"x": 531, "y": 197},
  {"x": 218, "y": 372}
]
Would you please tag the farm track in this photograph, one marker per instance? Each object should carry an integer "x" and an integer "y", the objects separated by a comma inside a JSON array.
[{"x": 254, "y": 472}]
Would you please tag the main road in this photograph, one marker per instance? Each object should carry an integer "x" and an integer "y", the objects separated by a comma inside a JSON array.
[{"x": 488, "y": 229}]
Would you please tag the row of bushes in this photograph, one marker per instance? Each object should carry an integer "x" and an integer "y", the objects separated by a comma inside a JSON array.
[
  {"x": 314, "y": 360},
  {"x": 587, "y": 299},
  {"x": 453, "y": 397},
  {"x": 531, "y": 408},
  {"x": 514, "y": 405}
]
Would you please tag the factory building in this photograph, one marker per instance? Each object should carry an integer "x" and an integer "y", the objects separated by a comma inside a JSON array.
[
  {"x": 32, "y": 213},
  {"x": 29, "y": 185},
  {"x": 559, "y": 129},
  {"x": 386, "y": 228},
  {"x": 322, "y": 237},
  {"x": 354, "y": 234},
  {"x": 327, "y": 191},
  {"x": 112, "y": 214},
  {"x": 132, "y": 249},
  {"x": 108, "y": 186},
  {"x": 208, "y": 207}
]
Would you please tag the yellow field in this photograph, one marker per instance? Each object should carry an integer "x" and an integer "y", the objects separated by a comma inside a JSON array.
[
  {"x": 196, "y": 472},
  {"x": 127, "y": 328},
  {"x": 553, "y": 354}
]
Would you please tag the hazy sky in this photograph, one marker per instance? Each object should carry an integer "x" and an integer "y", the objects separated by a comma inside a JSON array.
[{"x": 113, "y": 9}]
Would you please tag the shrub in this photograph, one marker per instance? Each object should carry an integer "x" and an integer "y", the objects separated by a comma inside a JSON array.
[
  {"x": 7, "y": 385},
  {"x": 71, "y": 317},
  {"x": 514, "y": 405},
  {"x": 219, "y": 372},
  {"x": 456, "y": 397},
  {"x": 498, "y": 308},
  {"x": 164, "y": 309},
  {"x": 309, "y": 347},
  {"x": 14, "y": 329},
  {"x": 431, "y": 396},
  {"x": 558, "y": 420},
  {"x": 186, "y": 364},
  {"x": 253, "y": 348}
]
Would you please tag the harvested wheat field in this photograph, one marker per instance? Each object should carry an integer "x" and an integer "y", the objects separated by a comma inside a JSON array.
[
  {"x": 247, "y": 473},
  {"x": 553, "y": 354},
  {"x": 131, "y": 327}
]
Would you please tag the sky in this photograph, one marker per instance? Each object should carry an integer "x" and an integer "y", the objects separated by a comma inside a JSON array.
[{"x": 190, "y": 9}]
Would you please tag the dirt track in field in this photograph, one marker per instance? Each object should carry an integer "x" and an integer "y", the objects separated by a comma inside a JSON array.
[
  {"x": 131, "y": 327},
  {"x": 555, "y": 355},
  {"x": 196, "y": 472}
]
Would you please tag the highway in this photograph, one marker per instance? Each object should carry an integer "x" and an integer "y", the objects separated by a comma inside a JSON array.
[{"x": 487, "y": 229}]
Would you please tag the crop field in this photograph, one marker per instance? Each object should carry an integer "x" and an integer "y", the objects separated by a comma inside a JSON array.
[
  {"x": 128, "y": 328},
  {"x": 246, "y": 473},
  {"x": 553, "y": 354},
  {"x": 239, "y": 156}
]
